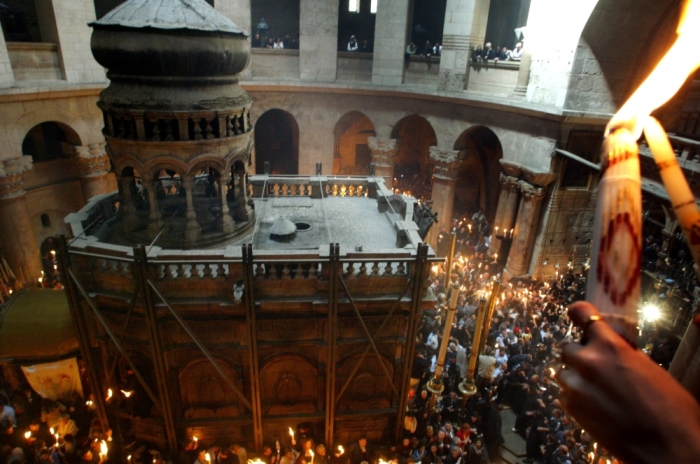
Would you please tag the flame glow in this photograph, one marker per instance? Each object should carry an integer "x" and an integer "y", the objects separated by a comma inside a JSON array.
[
  {"x": 103, "y": 448},
  {"x": 109, "y": 394},
  {"x": 127, "y": 393},
  {"x": 341, "y": 450},
  {"x": 28, "y": 435},
  {"x": 291, "y": 432}
]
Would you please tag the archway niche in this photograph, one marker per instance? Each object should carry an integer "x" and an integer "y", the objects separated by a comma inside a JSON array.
[
  {"x": 277, "y": 142},
  {"x": 44, "y": 141},
  {"x": 413, "y": 163},
  {"x": 351, "y": 155},
  {"x": 478, "y": 185}
]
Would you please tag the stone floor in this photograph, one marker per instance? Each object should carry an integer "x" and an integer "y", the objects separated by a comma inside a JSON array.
[{"x": 513, "y": 450}]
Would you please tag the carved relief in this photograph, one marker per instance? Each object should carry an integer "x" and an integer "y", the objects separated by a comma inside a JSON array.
[
  {"x": 508, "y": 182},
  {"x": 289, "y": 385},
  {"x": 447, "y": 162},
  {"x": 12, "y": 176},
  {"x": 205, "y": 393},
  {"x": 383, "y": 150}
]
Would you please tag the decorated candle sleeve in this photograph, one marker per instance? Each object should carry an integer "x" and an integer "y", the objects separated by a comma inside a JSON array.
[{"x": 615, "y": 273}]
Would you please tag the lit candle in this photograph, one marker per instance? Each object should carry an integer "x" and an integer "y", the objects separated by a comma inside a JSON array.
[
  {"x": 679, "y": 192},
  {"x": 291, "y": 433},
  {"x": 103, "y": 450},
  {"x": 109, "y": 394},
  {"x": 28, "y": 435},
  {"x": 312, "y": 455},
  {"x": 208, "y": 458},
  {"x": 341, "y": 450},
  {"x": 127, "y": 393},
  {"x": 195, "y": 439}
]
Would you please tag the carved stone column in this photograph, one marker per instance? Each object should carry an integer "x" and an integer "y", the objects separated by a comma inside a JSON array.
[
  {"x": 225, "y": 222},
  {"x": 505, "y": 214},
  {"x": 18, "y": 244},
  {"x": 192, "y": 230},
  {"x": 243, "y": 210},
  {"x": 524, "y": 233},
  {"x": 383, "y": 155},
  {"x": 447, "y": 164},
  {"x": 93, "y": 167}
]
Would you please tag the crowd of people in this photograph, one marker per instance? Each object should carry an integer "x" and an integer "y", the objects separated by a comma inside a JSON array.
[
  {"x": 488, "y": 53},
  {"x": 285, "y": 42}
]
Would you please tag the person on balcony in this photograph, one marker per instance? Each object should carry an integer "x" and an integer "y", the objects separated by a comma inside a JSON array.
[
  {"x": 353, "y": 46},
  {"x": 278, "y": 45},
  {"x": 488, "y": 53},
  {"x": 411, "y": 49},
  {"x": 517, "y": 53}
]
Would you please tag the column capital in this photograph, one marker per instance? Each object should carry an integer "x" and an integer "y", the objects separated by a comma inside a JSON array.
[
  {"x": 539, "y": 178},
  {"x": 12, "y": 176},
  {"x": 91, "y": 160},
  {"x": 508, "y": 182},
  {"x": 510, "y": 168},
  {"x": 383, "y": 150},
  {"x": 530, "y": 192},
  {"x": 447, "y": 162}
]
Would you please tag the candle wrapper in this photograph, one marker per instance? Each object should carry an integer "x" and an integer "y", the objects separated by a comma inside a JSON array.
[{"x": 615, "y": 274}]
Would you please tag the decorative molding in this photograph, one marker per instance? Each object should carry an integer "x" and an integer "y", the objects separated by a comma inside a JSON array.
[
  {"x": 12, "y": 176},
  {"x": 541, "y": 179},
  {"x": 91, "y": 161},
  {"x": 448, "y": 161},
  {"x": 383, "y": 150},
  {"x": 530, "y": 192}
]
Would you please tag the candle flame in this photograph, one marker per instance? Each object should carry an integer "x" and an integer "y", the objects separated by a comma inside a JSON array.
[
  {"x": 341, "y": 450},
  {"x": 291, "y": 432},
  {"x": 208, "y": 457},
  {"x": 127, "y": 393},
  {"x": 51, "y": 430},
  {"x": 103, "y": 448},
  {"x": 128, "y": 458},
  {"x": 28, "y": 434},
  {"x": 255, "y": 461},
  {"x": 195, "y": 439},
  {"x": 109, "y": 394}
]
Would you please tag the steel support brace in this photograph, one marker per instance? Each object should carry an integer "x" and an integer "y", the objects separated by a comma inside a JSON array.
[
  {"x": 117, "y": 343},
  {"x": 376, "y": 334},
  {"x": 201, "y": 346},
  {"x": 83, "y": 334},
  {"x": 158, "y": 356},
  {"x": 421, "y": 274},
  {"x": 367, "y": 334},
  {"x": 252, "y": 344},
  {"x": 331, "y": 340}
]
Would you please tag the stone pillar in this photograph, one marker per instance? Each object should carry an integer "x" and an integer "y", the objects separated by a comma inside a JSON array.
[
  {"x": 7, "y": 77},
  {"x": 383, "y": 155},
  {"x": 225, "y": 222},
  {"x": 73, "y": 37},
  {"x": 447, "y": 164},
  {"x": 18, "y": 244},
  {"x": 465, "y": 27},
  {"x": 192, "y": 230},
  {"x": 505, "y": 214},
  {"x": 237, "y": 11},
  {"x": 155, "y": 223},
  {"x": 243, "y": 210},
  {"x": 390, "y": 42},
  {"x": 525, "y": 230},
  {"x": 93, "y": 167},
  {"x": 520, "y": 90},
  {"x": 318, "y": 40}
]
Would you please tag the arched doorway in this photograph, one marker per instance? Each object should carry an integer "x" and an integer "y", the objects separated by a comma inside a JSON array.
[
  {"x": 44, "y": 141},
  {"x": 351, "y": 154},
  {"x": 478, "y": 185},
  {"x": 277, "y": 142},
  {"x": 413, "y": 164}
]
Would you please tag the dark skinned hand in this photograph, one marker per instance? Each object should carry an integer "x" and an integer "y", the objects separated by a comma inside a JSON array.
[{"x": 624, "y": 400}]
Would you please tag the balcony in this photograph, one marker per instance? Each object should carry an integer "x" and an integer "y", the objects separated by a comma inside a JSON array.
[{"x": 35, "y": 61}]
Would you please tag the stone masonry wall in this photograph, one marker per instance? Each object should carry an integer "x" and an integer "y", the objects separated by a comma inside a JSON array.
[
  {"x": 6, "y": 77},
  {"x": 318, "y": 29},
  {"x": 390, "y": 42}
]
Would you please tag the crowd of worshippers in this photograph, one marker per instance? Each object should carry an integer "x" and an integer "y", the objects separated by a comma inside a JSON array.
[
  {"x": 428, "y": 49},
  {"x": 488, "y": 53}
]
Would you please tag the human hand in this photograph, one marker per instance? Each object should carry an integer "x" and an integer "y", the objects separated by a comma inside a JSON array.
[{"x": 619, "y": 395}]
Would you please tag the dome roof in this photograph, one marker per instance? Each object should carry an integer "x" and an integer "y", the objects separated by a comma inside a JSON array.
[
  {"x": 283, "y": 227},
  {"x": 195, "y": 15}
]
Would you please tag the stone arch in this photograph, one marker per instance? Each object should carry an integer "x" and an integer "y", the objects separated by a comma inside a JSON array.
[
  {"x": 277, "y": 142},
  {"x": 24, "y": 124},
  {"x": 416, "y": 135},
  {"x": 369, "y": 388},
  {"x": 289, "y": 385},
  {"x": 351, "y": 153},
  {"x": 606, "y": 67},
  {"x": 204, "y": 393},
  {"x": 478, "y": 185},
  {"x": 154, "y": 166},
  {"x": 47, "y": 141}
]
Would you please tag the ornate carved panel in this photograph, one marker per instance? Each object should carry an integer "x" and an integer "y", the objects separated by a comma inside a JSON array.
[
  {"x": 205, "y": 393},
  {"x": 289, "y": 385}
]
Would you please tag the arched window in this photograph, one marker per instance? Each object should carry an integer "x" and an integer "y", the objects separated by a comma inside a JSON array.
[{"x": 44, "y": 141}]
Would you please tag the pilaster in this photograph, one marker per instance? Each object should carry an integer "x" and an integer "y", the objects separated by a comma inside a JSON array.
[
  {"x": 318, "y": 39},
  {"x": 445, "y": 174},
  {"x": 19, "y": 244},
  {"x": 383, "y": 157},
  {"x": 390, "y": 42},
  {"x": 525, "y": 229},
  {"x": 505, "y": 213},
  {"x": 73, "y": 37},
  {"x": 465, "y": 27}
]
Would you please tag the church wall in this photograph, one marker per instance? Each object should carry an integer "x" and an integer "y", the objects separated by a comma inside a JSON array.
[{"x": 528, "y": 140}]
